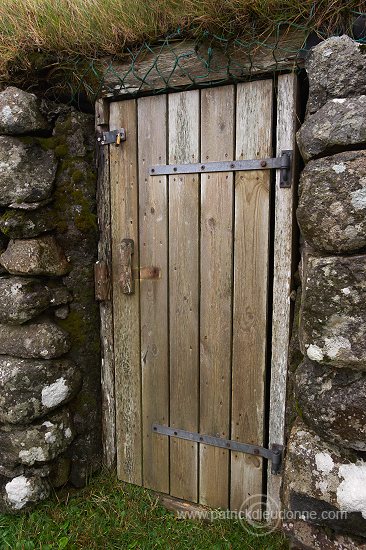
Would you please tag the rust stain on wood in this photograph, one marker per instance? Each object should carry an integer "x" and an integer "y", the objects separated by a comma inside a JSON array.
[
  {"x": 126, "y": 277},
  {"x": 152, "y": 272},
  {"x": 102, "y": 282}
]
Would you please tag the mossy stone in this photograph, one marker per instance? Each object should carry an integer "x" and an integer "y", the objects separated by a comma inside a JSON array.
[{"x": 19, "y": 224}]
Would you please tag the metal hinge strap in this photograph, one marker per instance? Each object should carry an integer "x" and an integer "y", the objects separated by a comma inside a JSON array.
[
  {"x": 283, "y": 163},
  {"x": 274, "y": 454}
]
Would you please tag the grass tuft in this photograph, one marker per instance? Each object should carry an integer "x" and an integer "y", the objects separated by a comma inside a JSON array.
[
  {"x": 41, "y": 32},
  {"x": 109, "y": 514}
]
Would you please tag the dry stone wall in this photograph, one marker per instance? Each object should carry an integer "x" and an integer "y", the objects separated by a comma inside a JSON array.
[
  {"x": 49, "y": 343},
  {"x": 325, "y": 470}
]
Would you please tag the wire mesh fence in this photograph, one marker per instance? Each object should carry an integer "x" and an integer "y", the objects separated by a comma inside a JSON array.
[{"x": 180, "y": 62}]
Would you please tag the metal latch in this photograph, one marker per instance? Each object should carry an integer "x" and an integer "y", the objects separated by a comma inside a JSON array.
[
  {"x": 283, "y": 163},
  {"x": 274, "y": 454},
  {"x": 113, "y": 136}
]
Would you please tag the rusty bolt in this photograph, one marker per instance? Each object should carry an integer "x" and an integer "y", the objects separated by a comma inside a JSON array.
[{"x": 263, "y": 163}]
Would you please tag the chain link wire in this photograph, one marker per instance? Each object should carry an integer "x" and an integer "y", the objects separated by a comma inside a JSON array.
[{"x": 209, "y": 59}]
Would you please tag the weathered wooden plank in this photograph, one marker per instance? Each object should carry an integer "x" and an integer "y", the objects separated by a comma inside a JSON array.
[
  {"x": 105, "y": 307},
  {"x": 283, "y": 270},
  {"x": 184, "y": 292},
  {"x": 217, "y": 143},
  {"x": 124, "y": 204},
  {"x": 126, "y": 278},
  {"x": 152, "y": 140},
  {"x": 155, "y": 70},
  {"x": 253, "y": 140},
  {"x": 185, "y": 510},
  {"x": 101, "y": 112},
  {"x": 102, "y": 281}
]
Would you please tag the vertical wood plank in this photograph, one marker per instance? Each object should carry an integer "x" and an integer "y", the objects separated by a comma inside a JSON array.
[
  {"x": 124, "y": 203},
  {"x": 152, "y": 136},
  {"x": 105, "y": 307},
  {"x": 184, "y": 292},
  {"x": 217, "y": 143},
  {"x": 283, "y": 270},
  {"x": 253, "y": 140}
]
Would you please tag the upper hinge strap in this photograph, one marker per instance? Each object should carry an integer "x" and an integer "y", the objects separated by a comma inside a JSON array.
[{"x": 282, "y": 163}]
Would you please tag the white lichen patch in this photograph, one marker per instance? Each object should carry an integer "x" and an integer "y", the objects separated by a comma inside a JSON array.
[
  {"x": 32, "y": 455},
  {"x": 68, "y": 433},
  {"x": 18, "y": 492},
  {"x": 48, "y": 424},
  {"x": 351, "y": 493},
  {"x": 50, "y": 438},
  {"x": 7, "y": 113},
  {"x": 339, "y": 100},
  {"x": 324, "y": 462},
  {"x": 55, "y": 393},
  {"x": 346, "y": 291},
  {"x": 339, "y": 168},
  {"x": 315, "y": 353},
  {"x": 358, "y": 198},
  {"x": 15, "y": 289},
  {"x": 333, "y": 347},
  {"x": 352, "y": 231},
  {"x": 322, "y": 486},
  {"x": 326, "y": 386}
]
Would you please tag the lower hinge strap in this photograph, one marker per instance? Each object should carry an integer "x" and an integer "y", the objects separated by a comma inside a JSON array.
[{"x": 274, "y": 454}]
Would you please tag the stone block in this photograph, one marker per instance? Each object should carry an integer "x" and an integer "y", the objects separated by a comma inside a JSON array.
[
  {"x": 321, "y": 482},
  {"x": 38, "y": 443},
  {"x": 332, "y": 204},
  {"x": 22, "y": 492},
  {"x": 339, "y": 124},
  {"x": 22, "y": 299},
  {"x": 333, "y": 311},
  {"x": 41, "y": 339},
  {"x": 32, "y": 388},
  {"x": 26, "y": 224},
  {"x": 40, "y": 256},
  {"x": 333, "y": 403},
  {"x": 306, "y": 536},
  {"x": 27, "y": 172},
  {"x": 336, "y": 69},
  {"x": 19, "y": 112}
]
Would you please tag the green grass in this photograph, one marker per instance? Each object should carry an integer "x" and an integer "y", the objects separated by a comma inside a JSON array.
[
  {"x": 32, "y": 32},
  {"x": 109, "y": 514}
]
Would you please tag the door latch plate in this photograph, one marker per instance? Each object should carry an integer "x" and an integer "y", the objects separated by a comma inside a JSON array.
[{"x": 113, "y": 136}]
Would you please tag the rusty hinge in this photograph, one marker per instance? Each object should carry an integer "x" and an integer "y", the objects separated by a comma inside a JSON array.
[
  {"x": 102, "y": 282},
  {"x": 274, "y": 454},
  {"x": 128, "y": 274},
  {"x": 113, "y": 136},
  {"x": 282, "y": 163}
]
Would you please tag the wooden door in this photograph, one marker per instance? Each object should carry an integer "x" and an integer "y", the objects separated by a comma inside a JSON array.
[{"x": 191, "y": 343}]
